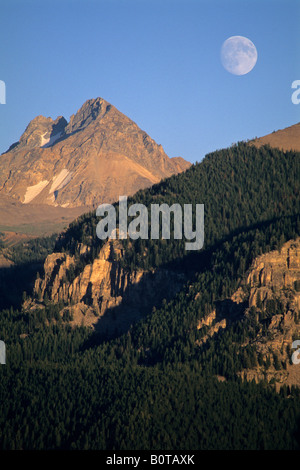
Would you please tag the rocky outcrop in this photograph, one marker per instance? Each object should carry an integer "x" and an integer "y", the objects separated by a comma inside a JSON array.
[
  {"x": 103, "y": 294},
  {"x": 270, "y": 296},
  {"x": 214, "y": 326},
  {"x": 275, "y": 274},
  {"x": 274, "y": 298}
]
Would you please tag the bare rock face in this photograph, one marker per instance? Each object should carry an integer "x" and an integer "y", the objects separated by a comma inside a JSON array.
[
  {"x": 270, "y": 297},
  {"x": 274, "y": 285},
  {"x": 98, "y": 156},
  {"x": 275, "y": 272},
  {"x": 103, "y": 295},
  {"x": 42, "y": 131}
]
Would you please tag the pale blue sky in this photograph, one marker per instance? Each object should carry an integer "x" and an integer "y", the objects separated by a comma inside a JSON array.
[{"x": 157, "y": 61}]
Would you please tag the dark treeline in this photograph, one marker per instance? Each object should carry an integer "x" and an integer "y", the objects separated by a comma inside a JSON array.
[{"x": 115, "y": 407}]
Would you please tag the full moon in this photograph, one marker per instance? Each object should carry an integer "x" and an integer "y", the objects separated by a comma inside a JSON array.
[{"x": 238, "y": 55}]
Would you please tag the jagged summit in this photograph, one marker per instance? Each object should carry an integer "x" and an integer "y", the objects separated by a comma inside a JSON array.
[
  {"x": 41, "y": 131},
  {"x": 97, "y": 156},
  {"x": 91, "y": 110}
]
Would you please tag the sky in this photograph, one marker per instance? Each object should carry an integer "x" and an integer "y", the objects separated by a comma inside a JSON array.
[{"x": 157, "y": 61}]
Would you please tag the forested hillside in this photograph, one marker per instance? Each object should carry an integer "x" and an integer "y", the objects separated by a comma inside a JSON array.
[
  {"x": 158, "y": 386},
  {"x": 240, "y": 187}
]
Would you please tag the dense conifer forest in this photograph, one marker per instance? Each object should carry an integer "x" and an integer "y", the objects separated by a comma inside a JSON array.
[{"x": 154, "y": 388}]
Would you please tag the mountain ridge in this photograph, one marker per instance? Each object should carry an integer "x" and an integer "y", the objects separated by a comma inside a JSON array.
[
  {"x": 285, "y": 139},
  {"x": 95, "y": 157}
]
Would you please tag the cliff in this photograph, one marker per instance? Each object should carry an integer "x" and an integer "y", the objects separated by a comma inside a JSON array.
[
  {"x": 269, "y": 300},
  {"x": 103, "y": 294}
]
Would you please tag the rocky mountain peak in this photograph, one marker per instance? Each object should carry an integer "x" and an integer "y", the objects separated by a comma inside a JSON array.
[
  {"x": 89, "y": 112},
  {"x": 41, "y": 131},
  {"x": 100, "y": 154}
]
